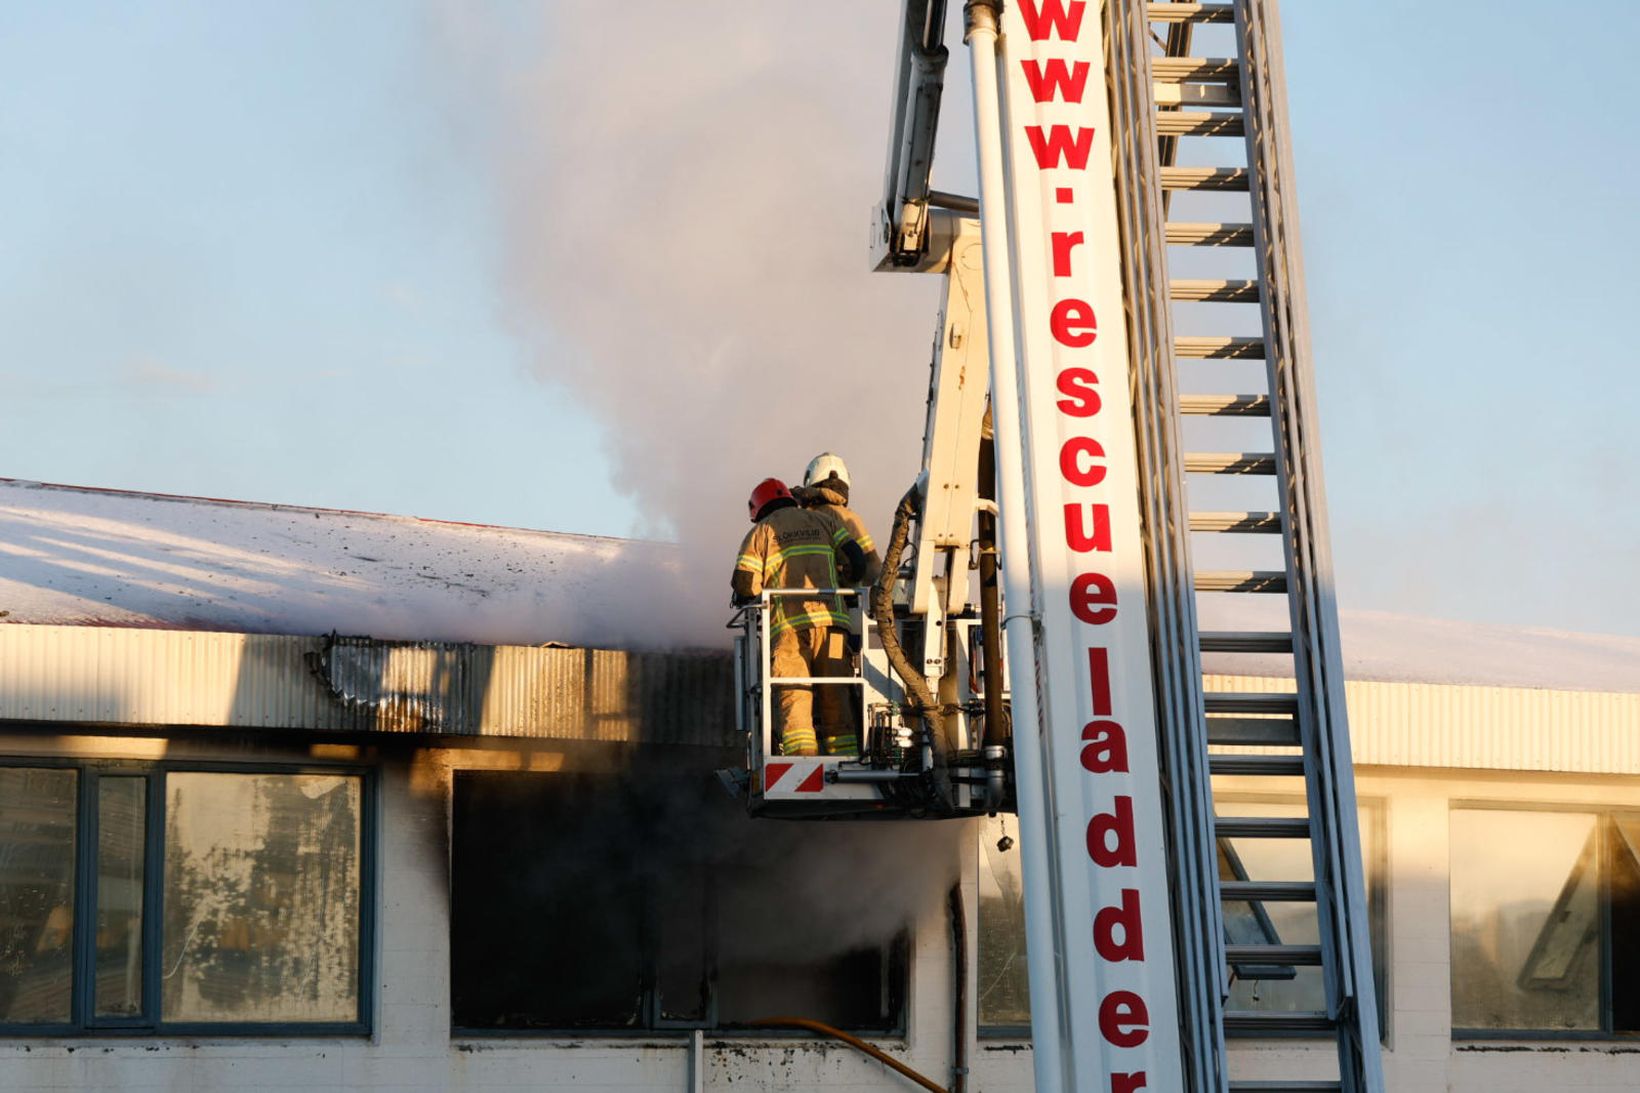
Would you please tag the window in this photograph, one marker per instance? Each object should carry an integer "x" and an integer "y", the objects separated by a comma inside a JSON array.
[
  {"x": 1294, "y": 989},
  {"x": 153, "y": 898},
  {"x": 1004, "y": 999},
  {"x": 1004, "y": 987},
  {"x": 602, "y": 904},
  {"x": 1545, "y": 922}
]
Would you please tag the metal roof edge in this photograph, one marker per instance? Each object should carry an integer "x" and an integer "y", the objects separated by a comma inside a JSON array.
[
  {"x": 125, "y": 676},
  {"x": 114, "y": 676}
]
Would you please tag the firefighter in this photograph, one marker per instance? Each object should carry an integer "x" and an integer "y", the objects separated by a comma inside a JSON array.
[
  {"x": 793, "y": 547},
  {"x": 825, "y": 489}
]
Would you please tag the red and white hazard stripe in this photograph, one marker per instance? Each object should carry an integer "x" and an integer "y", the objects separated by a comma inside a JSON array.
[{"x": 783, "y": 777}]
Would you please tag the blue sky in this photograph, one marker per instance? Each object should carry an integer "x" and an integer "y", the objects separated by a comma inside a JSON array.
[{"x": 253, "y": 251}]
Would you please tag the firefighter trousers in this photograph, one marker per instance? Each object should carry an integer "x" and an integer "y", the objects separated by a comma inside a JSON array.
[{"x": 817, "y": 652}]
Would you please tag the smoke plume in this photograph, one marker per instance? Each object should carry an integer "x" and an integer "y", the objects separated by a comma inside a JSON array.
[
  {"x": 583, "y": 881},
  {"x": 685, "y": 194}
]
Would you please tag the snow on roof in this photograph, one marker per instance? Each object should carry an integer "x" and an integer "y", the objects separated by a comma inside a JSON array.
[
  {"x": 1379, "y": 645},
  {"x": 72, "y": 555}
]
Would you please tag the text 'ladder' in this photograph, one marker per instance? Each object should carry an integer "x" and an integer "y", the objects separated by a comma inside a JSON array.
[{"x": 1226, "y": 426}]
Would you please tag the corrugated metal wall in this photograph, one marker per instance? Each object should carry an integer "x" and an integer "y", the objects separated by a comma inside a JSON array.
[
  {"x": 1482, "y": 728},
  {"x": 104, "y": 675}
]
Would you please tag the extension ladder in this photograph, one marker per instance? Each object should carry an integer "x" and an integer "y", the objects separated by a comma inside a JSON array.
[{"x": 1187, "y": 385}]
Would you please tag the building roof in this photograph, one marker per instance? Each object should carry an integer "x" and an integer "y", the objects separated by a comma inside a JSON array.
[{"x": 77, "y": 556}]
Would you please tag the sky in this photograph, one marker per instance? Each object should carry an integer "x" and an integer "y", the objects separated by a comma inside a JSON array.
[{"x": 596, "y": 269}]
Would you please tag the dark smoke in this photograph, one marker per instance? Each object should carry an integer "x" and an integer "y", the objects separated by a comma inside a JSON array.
[{"x": 590, "y": 882}]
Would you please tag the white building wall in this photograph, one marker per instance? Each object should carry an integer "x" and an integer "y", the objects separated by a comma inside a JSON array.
[
  {"x": 1420, "y": 1055},
  {"x": 412, "y": 1048}
]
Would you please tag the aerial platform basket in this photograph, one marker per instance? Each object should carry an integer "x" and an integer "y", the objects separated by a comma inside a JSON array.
[{"x": 897, "y": 770}]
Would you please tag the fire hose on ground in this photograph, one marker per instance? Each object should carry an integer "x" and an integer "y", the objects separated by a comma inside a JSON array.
[{"x": 854, "y": 1042}]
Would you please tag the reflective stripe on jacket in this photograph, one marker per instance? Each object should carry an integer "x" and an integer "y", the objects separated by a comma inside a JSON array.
[
  {"x": 794, "y": 548},
  {"x": 829, "y": 501}
]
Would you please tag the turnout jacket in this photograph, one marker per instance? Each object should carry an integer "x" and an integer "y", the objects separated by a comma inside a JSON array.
[
  {"x": 824, "y": 499},
  {"x": 794, "y": 547}
]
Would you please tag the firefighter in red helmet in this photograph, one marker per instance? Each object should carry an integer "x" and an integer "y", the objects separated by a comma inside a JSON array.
[{"x": 792, "y": 547}]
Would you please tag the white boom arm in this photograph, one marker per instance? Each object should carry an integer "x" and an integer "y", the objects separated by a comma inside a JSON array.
[{"x": 1098, "y": 927}]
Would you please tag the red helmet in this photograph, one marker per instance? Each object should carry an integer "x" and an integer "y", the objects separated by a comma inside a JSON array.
[{"x": 770, "y": 489}]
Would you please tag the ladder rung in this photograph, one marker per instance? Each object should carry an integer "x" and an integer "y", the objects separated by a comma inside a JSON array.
[
  {"x": 1247, "y": 523},
  {"x": 1190, "y": 13},
  {"x": 1320, "y": 1085},
  {"x": 1262, "y": 827},
  {"x": 1262, "y": 765},
  {"x": 1230, "y": 463},
  {"x": 1307, "y": 956},
  {"x": 1216, "y": 292},
  {"x": 1275, "y": 1024},
  {"x": 1200, "y": 348},
  {"x": 1186, "y": 233},
  {"x": 1246, "y": 641},
  {"x": 1268, "y": 891},
  {"x": 1204, "y": 178},
  {"x": 1241, "y": 580},
  {"x": 1195, "y": 94},
  {"x": 1248, "y": 702},
  {"x": 1226, "y": 405},
  {"x": 1187, "y": 69},
  {"x": 1199, "y": 123},
  {"x": 1256, "y": 731}
]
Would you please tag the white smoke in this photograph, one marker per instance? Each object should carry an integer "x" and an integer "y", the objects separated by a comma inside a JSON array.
[{"x": 685, "y": 193}]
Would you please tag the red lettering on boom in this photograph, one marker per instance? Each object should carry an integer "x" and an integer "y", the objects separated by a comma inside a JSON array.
[
  {"x": 1059, "y": 148},
  {"x": 1037, "y": 19},
  {"x": 1093, "y": 598},
  {"x": 1080, "y": 400},
  {"x": 1119, "y": 824},
  {"x": 1112, "y": 840},
  {"x": 1063, "y": 244},
  {"x": 1099, "y": 680},
  {"x": 1081, "y": 538},
  {"x": 1125, "y": 916},
  {"x": 1123, "y": 1019},
  {"x": 1105, "y": 747},
  {"x": 1071, "y": 466},
  {"x": 1073, "y": 324},
  {"x": 1055, "y": 77}
]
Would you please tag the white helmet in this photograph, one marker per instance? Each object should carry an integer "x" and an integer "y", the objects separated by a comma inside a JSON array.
[{"x": 822, "y": 467}]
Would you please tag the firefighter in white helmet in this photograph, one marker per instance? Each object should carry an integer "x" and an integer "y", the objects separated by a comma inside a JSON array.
[
  {"x": 792, "y": 547},
  {"x": 825, "y": 489}
]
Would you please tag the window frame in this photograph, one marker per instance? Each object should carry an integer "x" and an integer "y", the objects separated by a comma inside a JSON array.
[
  {"x": 1606, "y": 816},
  {"x": 1378, "y": 892},
  {"x": 83, "y": 1022}
]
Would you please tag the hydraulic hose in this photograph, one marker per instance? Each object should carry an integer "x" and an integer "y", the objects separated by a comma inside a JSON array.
[
  {"x": 919, "y": 698},
  {"x": 997, "y": 728},
  {"x": 959, "y": 976},
  {"x": 854, "y": 1042}
]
